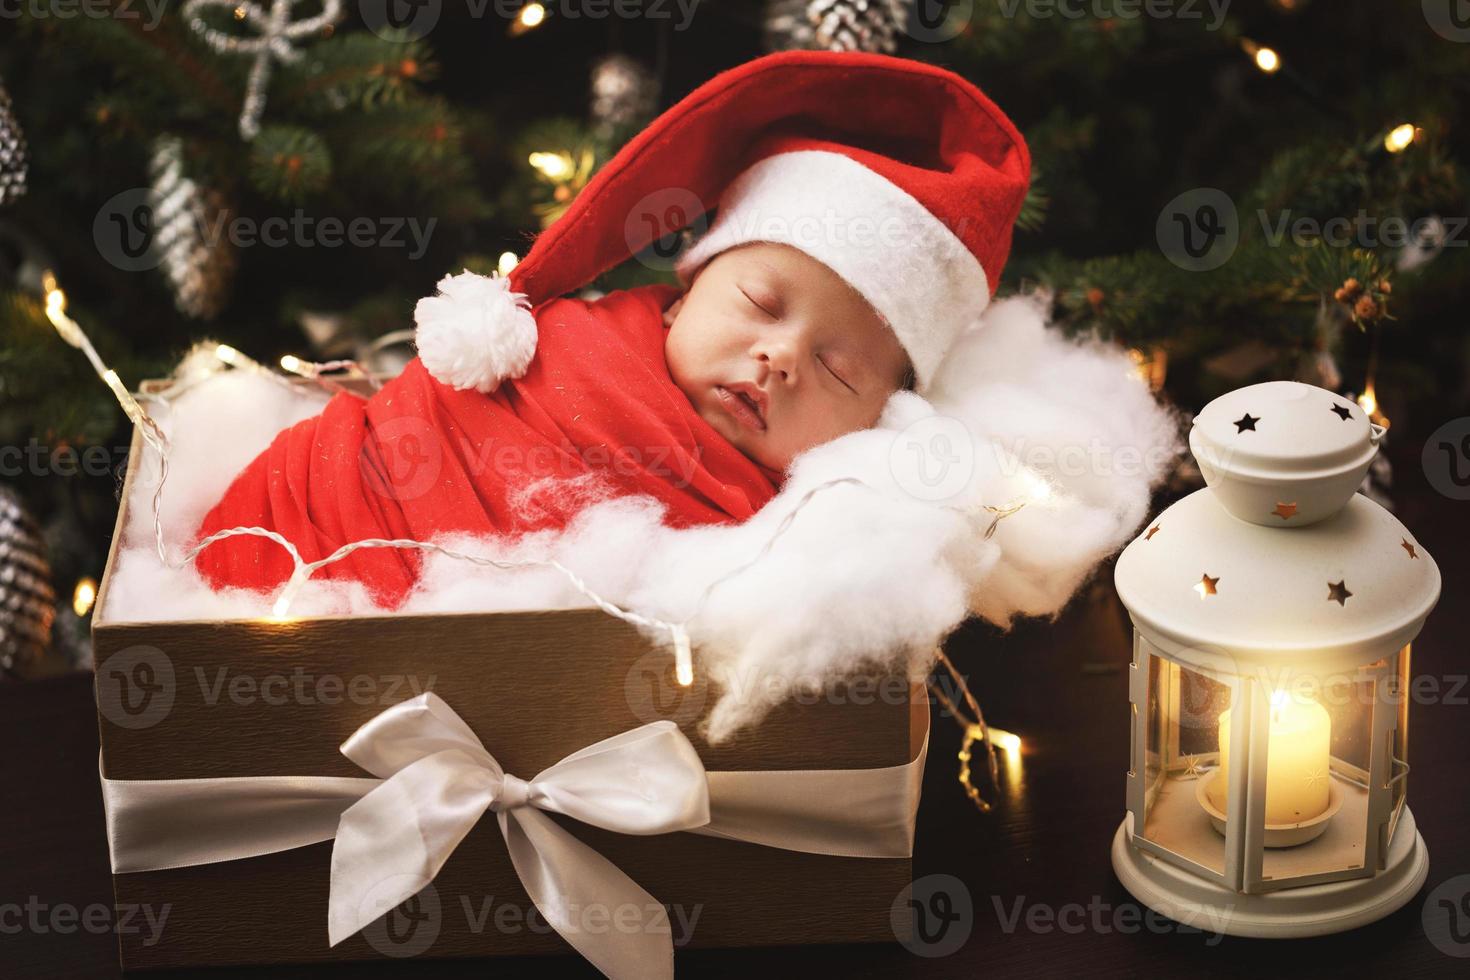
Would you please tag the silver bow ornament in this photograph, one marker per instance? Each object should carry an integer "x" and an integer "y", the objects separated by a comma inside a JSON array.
[{"x": 438, "y": 781}]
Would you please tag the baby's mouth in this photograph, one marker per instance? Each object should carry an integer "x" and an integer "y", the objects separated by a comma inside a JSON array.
[{"x": 745, "y": 409}]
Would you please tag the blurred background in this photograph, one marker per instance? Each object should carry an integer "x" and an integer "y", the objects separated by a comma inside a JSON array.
[{"x": 1236, "y": 191}]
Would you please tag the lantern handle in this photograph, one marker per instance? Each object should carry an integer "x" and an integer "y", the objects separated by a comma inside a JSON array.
[{"x": 1376, "y": 433}]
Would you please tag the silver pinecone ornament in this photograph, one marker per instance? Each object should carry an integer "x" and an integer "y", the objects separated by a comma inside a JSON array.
[
  {"x": 188, "y": 224},
  {"x": 835, "y": 25},
  {"x": 14, "y": 159},
  {"x": 27, "y": 601}
]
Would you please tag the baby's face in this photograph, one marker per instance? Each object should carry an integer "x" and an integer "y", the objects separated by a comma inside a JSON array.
[{"x": 778, "y": 353}]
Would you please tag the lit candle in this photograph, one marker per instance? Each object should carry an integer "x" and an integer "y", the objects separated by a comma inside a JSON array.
[{"x": 1297, "y": 761}]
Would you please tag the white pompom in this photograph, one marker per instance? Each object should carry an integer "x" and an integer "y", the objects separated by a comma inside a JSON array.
[{"x": 476, "y": 332}]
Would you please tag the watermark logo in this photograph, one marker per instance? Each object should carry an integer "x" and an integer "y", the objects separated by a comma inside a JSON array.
[
  {"x": 124, "y": 230},
  {"x": 933, "y": 458},
  {"x": 135, "y": 687},
  {"x": 400, "y": 21},
  {"x": 654, "y": 694},
  {"x": 654, "y": 226},
  {"x": 1446, "y": 459},
  {"x": 409, "y": 927},
  {"x": 933, "y": 916},
  {"x": 40, "y": 918},
  {"x": 1199, "y": 230},
  {"x": 937, "y": 21},
  {"x": 1109, "y": 10},
  {"x": 1450, "y": 19},
  {"x": 408, "y": 459},
  {"x": 1103, "y": 918},
  {"x": 1446, "y": 917}
]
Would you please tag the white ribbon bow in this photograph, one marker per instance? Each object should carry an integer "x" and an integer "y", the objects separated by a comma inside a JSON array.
[{"x": 439, "y": 780}]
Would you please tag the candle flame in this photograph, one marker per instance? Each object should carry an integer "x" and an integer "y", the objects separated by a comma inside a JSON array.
[{"x": 1368, "y": 402}]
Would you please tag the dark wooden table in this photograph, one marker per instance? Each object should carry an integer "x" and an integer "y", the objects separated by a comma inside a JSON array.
[{"x": 1062, "y": 686}]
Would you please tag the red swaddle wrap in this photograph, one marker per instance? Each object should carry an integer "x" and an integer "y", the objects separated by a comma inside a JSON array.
[{"x": 596, "y": 415}]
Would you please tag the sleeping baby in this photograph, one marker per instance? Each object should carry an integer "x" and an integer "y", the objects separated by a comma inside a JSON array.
[{"x": 864, "y": 212}]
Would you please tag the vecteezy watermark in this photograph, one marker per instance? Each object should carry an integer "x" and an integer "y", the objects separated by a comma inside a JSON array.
[
  {"x": 1450, "y": 19},
  {"x": 149, "y": 12},
  {"x": 654, "y": 694},
  {"x": 933, "y": 915},
  {"x": 37, "y": 459},
  {"x": 410, "y": 928},
  {"x": 935, "y": 459},
  {"x": 139, "y": 686},
  {"x": 1211, "y": 11},
  {"x": 1363, "y": 230},
  {"x": 1446, "y": 917},
  {"x": 127, "y": 234},
  {"x": 1199, "y": 229},
  {"x": 412, "y": 20},
  {"x": 135, "y": 687},
  {"x": 1446, "y": 459},
  {"x": 407, "y": 455},
  {"x": 655, "y": 228},
  {"x": 64, "y": 918},
  {"x": 1103, "y": 918}
]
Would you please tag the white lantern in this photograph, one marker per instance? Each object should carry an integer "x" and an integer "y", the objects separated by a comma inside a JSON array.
[{"x": 1272, "y": 617}]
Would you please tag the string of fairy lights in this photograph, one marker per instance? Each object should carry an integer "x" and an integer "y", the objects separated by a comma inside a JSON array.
[{"x": 974, "y": 725}]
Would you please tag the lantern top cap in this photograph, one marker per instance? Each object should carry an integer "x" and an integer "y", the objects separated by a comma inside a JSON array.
[
  {"x": 1278, "y": 561},
  {"x": 1284, "y": 442}
]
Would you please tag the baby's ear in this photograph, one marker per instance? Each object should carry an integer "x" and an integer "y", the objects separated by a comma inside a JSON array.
[{"x": 672, "y": 311}]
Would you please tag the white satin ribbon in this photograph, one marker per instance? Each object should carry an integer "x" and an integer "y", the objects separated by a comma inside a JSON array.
[
  {"x": 437, "y": 782},
  {"x": 433, "y": 782}
]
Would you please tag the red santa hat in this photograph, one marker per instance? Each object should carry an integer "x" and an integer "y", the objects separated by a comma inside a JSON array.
[{"x": 900, "y": 176}]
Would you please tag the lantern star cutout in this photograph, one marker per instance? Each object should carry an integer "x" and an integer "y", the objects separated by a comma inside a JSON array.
[
  {"x": 1409, "y": 548},
  {"x": 1314, "y": 777},
  {"x": 1246, "y": 421},
  {"x": 1338, "y": 592},
  {"x": 1342, "y": 412},
  {"x": 1151, "y": 532},
  {"x": 1206, "y": 585},
  {"x": 1192, "y": 766},
  {"x": 1285, "y": 511}
]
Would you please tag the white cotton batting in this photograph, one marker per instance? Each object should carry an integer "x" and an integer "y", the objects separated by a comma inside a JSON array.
[{"x": 872, "y": 576}]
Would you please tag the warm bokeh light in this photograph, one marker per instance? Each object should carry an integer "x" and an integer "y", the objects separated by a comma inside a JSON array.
[
  {"x": 1400, "y": 137},
  {"x": 83, "y": 596}
]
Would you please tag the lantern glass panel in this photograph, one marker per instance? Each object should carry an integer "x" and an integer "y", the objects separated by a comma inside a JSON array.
[
  {"x": 1396, "y": 772},
  {"x": 1181, "y": 746},
  {"x": 1319, "y": 761}
]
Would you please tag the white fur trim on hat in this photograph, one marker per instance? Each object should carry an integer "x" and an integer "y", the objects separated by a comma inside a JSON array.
[
  {"x": 476, "y": 332},
  {"x": 914, "y": 271}
]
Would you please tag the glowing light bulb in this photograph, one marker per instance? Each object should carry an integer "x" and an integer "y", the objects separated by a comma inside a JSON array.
[
  {"x": 531, "y": 16},
  {"x": 683, "y": 658},
  {"x": 293, "y": 364},
  {"x": 1007, "y": 742},
  {"x": 1400, "y": 138},
  {"x": 553, "y": 166},
  {"x": 1268, "y": 60}
]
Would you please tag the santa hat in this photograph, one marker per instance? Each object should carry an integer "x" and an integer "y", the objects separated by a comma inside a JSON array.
[{"x": 900, "y": 176}]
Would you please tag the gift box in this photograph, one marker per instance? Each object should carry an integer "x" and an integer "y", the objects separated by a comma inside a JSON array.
[{"x": 232, "y": 753}]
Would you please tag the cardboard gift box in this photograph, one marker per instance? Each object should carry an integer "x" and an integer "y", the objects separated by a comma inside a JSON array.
[{"x": 221, "y": 700}]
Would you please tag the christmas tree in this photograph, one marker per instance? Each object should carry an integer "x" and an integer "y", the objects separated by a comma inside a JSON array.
[{"x": 1236, "y": 192}]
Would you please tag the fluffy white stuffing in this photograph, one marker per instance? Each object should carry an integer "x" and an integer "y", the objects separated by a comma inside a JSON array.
[
  {"x": 475, "y": 332},
  {"x": 866, "y": 575}
]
